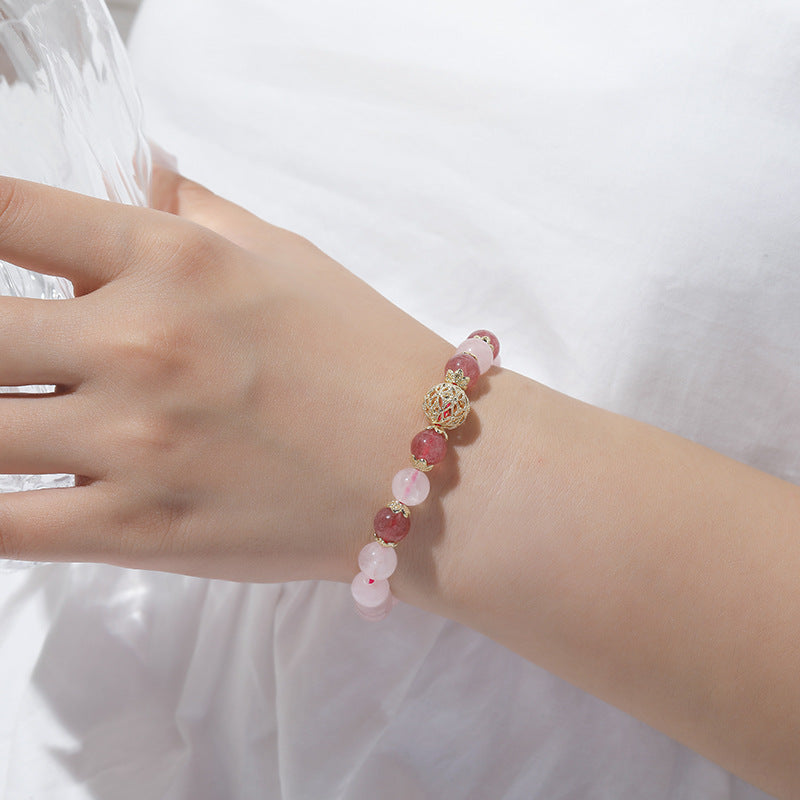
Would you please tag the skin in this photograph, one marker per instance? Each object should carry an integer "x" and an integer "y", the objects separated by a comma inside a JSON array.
[{"x": 237, "y": 396}]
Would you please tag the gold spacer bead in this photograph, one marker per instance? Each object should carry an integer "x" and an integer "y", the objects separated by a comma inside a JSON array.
[
  {"x": 458, "y": 378},
  {"x": 437, "y": 429},
  {"x": 399, "y": 508},
  {"x": 421, "y": 464},
  {"x": 385, "y": 544},
  {"x": 485, "y": 339}
]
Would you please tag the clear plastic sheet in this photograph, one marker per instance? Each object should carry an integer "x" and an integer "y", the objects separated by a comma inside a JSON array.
[{"x": 69, "y": 117}]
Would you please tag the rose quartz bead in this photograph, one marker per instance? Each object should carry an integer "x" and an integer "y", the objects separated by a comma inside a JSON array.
[
  {"x": 368, "y": 592},
  {"x": 410, "y": 486},
  {"x": 480, "y": 350},
  {"x": 491, "y": 337},
  {"x": 379, "y": 612},
  {"x": 377, "y": 561},
  {"x": 429, "y": 445},
  {"x": 468, "y": 365},
  {"x": 391, "y": 526}
]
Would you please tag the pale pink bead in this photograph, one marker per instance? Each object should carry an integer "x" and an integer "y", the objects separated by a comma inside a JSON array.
[
  {"x": 377, "y": 561},
  {"x": 368, "y": 592},
  {"x": 410, "y": 486},
  {"x": 480, "y": 349},
  {"x": 379, "y": 612}
]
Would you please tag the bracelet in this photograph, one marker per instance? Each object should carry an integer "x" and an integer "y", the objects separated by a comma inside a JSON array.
[{"x": 446, "y": 406}]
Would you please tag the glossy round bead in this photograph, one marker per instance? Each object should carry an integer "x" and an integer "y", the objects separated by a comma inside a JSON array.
[
  {"x": 495, "y": 342},
  {"x": 377, "y": 561},
  {"x": 410, "y": 486},
  {"x": 468, "y": 365},
  {"x": 368, "y": 592},
  {"x": 480, "y": 349},
  {"x": 429, "y": 446},
  {"x": 391, "y": 526}
]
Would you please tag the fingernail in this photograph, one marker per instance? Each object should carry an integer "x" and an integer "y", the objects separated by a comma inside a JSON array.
[{"x": 162, "y": 157}]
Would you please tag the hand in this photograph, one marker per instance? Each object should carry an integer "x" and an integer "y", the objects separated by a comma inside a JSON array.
[{"x": 227, "y": 395}]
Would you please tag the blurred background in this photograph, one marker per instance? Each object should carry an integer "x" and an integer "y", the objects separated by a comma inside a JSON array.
[{"x": 123, "y": 12}]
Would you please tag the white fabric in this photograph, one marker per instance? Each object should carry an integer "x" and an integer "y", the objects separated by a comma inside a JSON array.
[{"x": 613, "y": 188}]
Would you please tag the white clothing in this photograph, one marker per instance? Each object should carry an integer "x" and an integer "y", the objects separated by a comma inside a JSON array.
[{"x": 613, "y": 189}]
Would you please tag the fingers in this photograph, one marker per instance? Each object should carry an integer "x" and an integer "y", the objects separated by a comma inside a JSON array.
[
  {"x": 42, "y": 342},
  {"x": 192, "y": 201},
  {"x": 74, "y": 524},
  {"x": 86, "y": 240},
  {"x": 45, "y": 434}
]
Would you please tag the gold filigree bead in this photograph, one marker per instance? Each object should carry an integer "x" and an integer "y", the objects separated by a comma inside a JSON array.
[
  {"x": 421, "y": 464},
  {"x": 458, "y": 378},
  {"x": 399, "y": 507},
  {"x": 383, "y": 542},
  {"x": 446, "y": 405}
]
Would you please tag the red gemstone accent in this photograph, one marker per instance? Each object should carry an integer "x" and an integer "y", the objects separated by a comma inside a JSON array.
[
  {"x": 430, "y": 446},
  {"x": 391, "y": 526},
  {"x": 468, "y": 365},
  {"x": 495, "y": 342}
]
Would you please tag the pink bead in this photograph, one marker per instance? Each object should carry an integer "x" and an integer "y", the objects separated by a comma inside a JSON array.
[
  {"x": 429, "y": 445},
  {"x": 377, "y": 561},
  {"x": 368, "y": 592},
  {"x": 491, "y": 337},
  {"x": 480, "y": 350},
  {"x": 379, "y": 612},
  {"x": 410, "y": 486},
  {"x": 468, "y": 365}
]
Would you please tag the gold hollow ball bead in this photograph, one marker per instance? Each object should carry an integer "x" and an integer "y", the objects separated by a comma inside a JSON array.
[{"x": 446, "y": 405}]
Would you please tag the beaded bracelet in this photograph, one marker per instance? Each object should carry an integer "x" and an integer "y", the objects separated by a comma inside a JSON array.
[{"x": 446, "y": 406}]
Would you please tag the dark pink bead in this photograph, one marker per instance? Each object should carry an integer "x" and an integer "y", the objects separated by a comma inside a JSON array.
[
  {"x": 468, "y": 365},
  {"x": 430, "y": 446},
  {"x": 493, "y": 340},
  {"x": 391, "y": 526}
]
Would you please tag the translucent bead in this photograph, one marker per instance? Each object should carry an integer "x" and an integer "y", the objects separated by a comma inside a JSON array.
[
  {"x": 410, "y": 486},
  {"x": 391, "y": 526},
  {"x": 429, "y": 446},
  {"x": 377, "y": 561},
  {"x": 368, "y": 592},
  {"x": 495, "y": 342},
  {"x": 480, "y": 349},
  {"x": 468, "y": 365},
  {"x": 379, "y": 612}
]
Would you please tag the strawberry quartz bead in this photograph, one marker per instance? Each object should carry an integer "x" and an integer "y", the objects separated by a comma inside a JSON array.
[
  {"x": 493, "y": 340},
  {"x": 429, "y": 445},
  {"x": 391, "y": 526},
  {"x": 467, "y": 364}
]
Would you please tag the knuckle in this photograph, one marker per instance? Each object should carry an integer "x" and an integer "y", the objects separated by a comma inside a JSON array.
[
  {"x": 15, "y": 206},
  {"x": 156, "y": 529},
  {"x": 154, "y": 351},
  {"x": 146, "y": 435},
  {"x": 185, "y": 251}
]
